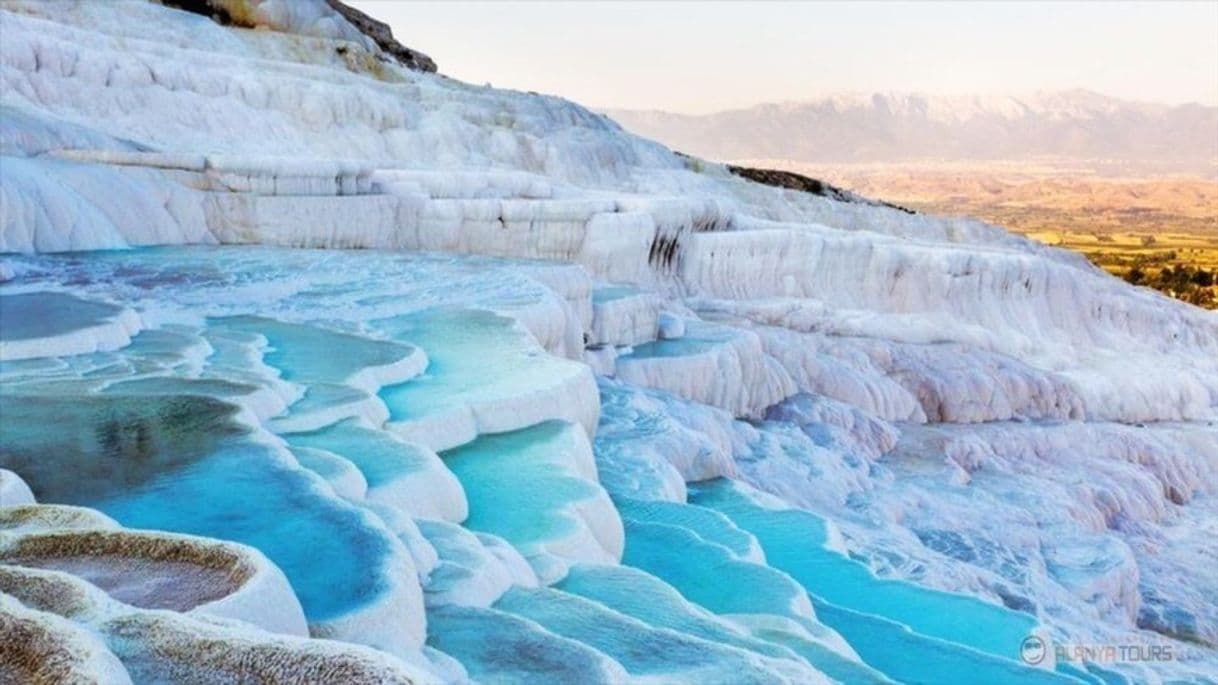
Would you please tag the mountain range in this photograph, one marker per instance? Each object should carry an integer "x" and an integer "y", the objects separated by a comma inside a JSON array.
[{"x": 886, "y": 127}]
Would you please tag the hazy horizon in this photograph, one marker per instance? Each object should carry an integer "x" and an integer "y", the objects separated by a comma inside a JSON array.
[
  {"x": 654, "y": 56},
  {"x": 814, "y": 97}
]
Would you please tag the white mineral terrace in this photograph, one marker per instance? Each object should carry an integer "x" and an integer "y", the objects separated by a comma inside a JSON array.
[{"x": 317, "y": 366}]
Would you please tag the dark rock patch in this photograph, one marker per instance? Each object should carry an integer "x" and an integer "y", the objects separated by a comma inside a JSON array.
[
  {"x": 794, "y": 181},
  {"x": 238, "y": 14},
  {"x": 382, "y": 35},
  {"x": 218, "y": 12}
]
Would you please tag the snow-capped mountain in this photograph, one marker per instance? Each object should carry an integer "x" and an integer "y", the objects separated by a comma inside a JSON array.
[
  {"x": 886, "y": 127},
  {"x": 316, "y": 366}
]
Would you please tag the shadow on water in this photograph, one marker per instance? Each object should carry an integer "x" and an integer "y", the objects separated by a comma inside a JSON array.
[
  {"x": 25, "y": 316},
  {"x": 83, "y": 450}
]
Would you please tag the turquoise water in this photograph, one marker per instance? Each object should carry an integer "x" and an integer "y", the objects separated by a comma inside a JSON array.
[
  {"x": 169, "y": 385},
  {"x": 520, "y": 484},
  {"x": 164, "y": 452},
  {"x": 640, "y": 648},
  {"x": 497, "y": 647},
  {"x": 640, "y": 595},
  {"x": 329, "y": 466},
  {"x": 323, "y": 398},
  {"x": 467, "y": 351},
  {"x": 305, "y": 353},
  {"x": 329, "y": 551},
  {"x": 916, "y": 659},
  {"x": 707, "y": 523},
  {"x": 826, "y": 660},
  {"x": 699, "y": 337},
  {"x": 612, "y": 292},
  {"x": 179, "y": 462},
  {"x": 166, "y": 347},
  {"x": 1093, "y": 675},
  {"x": 680, "y": 347},
  {"x": 794, "y": 541},
  {"x": 44, "y": 314},
  {"x": 380, "y": 457},
  {"x": 472, "y": 355},
  {"x": 711, "y": 576},
  {"x": 168, "y": 453}
]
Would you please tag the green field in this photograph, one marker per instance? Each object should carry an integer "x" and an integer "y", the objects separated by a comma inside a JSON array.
[{"x": 1184, "y": 266}]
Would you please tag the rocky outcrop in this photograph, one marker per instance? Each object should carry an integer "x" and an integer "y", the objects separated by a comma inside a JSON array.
[
  {"x": 308, "y": 17},
  {"x": 382, "y": 35},
  {"x": 793, "y": 181}
]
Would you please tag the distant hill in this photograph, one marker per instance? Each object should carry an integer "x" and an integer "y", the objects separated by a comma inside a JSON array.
[{"x": 888, "y": 127}]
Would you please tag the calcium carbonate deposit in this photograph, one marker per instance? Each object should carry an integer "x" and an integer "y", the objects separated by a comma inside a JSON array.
[{"x": 316, "y": 366}]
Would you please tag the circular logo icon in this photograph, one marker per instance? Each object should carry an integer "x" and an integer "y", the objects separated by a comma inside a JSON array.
[{"x": 1032, "y": 650}]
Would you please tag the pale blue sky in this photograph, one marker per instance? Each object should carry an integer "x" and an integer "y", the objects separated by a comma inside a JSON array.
[{"x": 705, "y": 56}]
